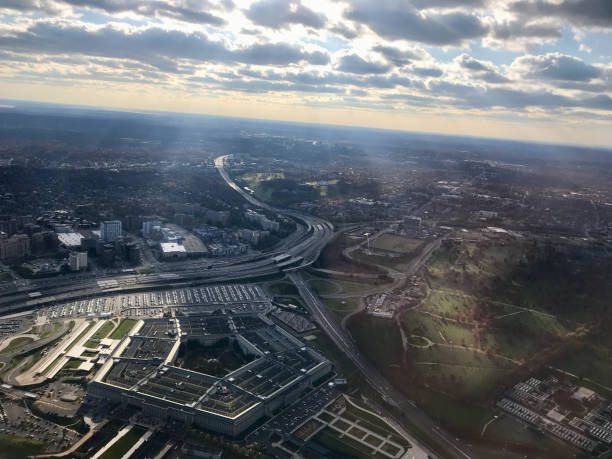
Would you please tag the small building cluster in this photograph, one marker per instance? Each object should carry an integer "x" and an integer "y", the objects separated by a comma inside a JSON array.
[{"x": 575, "y": 414}]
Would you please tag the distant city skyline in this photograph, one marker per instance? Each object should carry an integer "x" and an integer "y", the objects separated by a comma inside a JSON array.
[{"x": 523, "y": 69}]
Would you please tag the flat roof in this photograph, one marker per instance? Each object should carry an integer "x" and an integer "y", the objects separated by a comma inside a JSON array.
[
  {"x": 282, "y": 361},
  {"x": 70, "y": 239},
  {"x": 170, "y": 247}
]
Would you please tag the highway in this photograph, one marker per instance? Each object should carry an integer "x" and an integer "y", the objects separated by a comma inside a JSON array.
[
  {"x": 298, "y": 250},
  {"x": 452, "y": 447}
]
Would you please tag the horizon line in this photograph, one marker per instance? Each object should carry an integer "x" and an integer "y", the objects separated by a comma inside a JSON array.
[{"x": 137, "y": 111}]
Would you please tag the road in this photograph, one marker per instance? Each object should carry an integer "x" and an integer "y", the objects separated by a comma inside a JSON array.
[
  {"x": 452, "y": 447},
  {"x": 298, "y": 250}
]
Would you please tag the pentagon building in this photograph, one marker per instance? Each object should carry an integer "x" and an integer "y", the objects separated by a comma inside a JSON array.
[{"x": 141, "y": 373}]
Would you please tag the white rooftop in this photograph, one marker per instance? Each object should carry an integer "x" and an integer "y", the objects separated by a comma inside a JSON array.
[
  {"x": 86, "y": 366},
  {"x": 170, "y": 247},
  {"x": 107, "y": 342},
  {"x": 70, "y": 239}
]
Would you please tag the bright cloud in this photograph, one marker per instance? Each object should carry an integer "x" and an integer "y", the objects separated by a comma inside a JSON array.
[{"x": 489, "y": 59}]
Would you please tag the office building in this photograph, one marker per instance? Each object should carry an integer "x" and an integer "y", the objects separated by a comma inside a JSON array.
[
  {"x": 77, "y": 261},
  {"x": 15, "y": 247},
  {"x": 110, "y": 230},
  {"x": 142, "y": 372},
  {"x": 151, "y": 228}
]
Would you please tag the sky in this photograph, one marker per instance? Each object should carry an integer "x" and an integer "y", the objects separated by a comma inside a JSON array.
[{"x": 520, "y": 69}]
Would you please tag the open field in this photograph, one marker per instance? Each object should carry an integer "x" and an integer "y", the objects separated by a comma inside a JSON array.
[
  {"x": 393, "y": 243},
  {"x": 253, "y": 181},
  {"x": 438, "y": 330},
  {"x": 12, "y": 447},
  {"x": 592, "y": 360},
  {"x": 282, "y": 288},
  {"x": 459, "y": 348},
  {"x": 341, "y": 307},
  {"x": 510, "y": 431},
  {"x": 326, "y": 286},
  {"x": 462, "y": 344},
  {"x": 333, "y": 258}
]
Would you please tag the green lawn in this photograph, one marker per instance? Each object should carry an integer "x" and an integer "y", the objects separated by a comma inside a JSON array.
[
  {"x": 72, "y": 364},
  {"x": 338, "y": 309},
  {"x": 510, "y": 430},
  {"x": 91, "y": 344},
  {"x": 345, "y": 446},
  {"x": 394, "y": 243},
  {"x": 379, "y": 339},
  {"x": 325, "y": 287},
  {"x": 283, "y": 288},
  {"x": 78, "y": 338},
  {"x": 592, "y": 361},
  {"x": 449, "y": 303},
  {"x": 103, "y": 331},
  {"x": 13, "y": 447},
  {"x": 334, "y": 285},
  {"x": 16, "y": 343},
  {"x": 52, "y": 365},
  {"x": 52, "y": 330},
  {"x": 123, "y": 328},
  {"x": 123, "y": 445}
]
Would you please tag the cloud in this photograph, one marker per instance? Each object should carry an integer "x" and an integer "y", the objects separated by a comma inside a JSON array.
[
  {"x": 519, "y": 29},
  {"x": 396, "y": 20},
  {"x": 397, "y": 56},
  {"x": 334, "y": 78},
  {"x": 43, "y": 6},
  {"x": 155, "y": 46},
  {"x": 468, "y": 62},
  {"x": 182, "y": 10},
  {"x": 427, "y": 71},
  {"x": 343, "y": 30},
  {"x": 555, "y": 66},
  {"x": 352, "y": 63},
  {"x": 446, "y": 4},
  {"x": 278, "y": 14},
  {"x": 577, "y": 12},
  {"x": 476, "y": 97},
  {"x": 479, "y": 70}
]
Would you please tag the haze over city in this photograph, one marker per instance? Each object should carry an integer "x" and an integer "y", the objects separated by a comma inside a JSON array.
[
  {"x": 524, "y": 69},
  {"x": 303, "y": 229}
]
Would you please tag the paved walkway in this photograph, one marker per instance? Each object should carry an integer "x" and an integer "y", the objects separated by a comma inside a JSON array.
[
  {"x": 140, "y": 441},
  {"x": 78, "y": 444},
  {"x": 120, "y": 434},
  {"x": 360, "y": 433}
]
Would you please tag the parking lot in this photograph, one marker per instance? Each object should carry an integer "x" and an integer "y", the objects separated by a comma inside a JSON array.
[
  {"x": 243, "y": 298},
  {"x": 295, "y": 415},
  {"x": 17, "y": 420}
]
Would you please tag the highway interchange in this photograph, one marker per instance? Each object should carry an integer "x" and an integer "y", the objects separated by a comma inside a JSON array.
[{"x": 297, "y": 251}]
